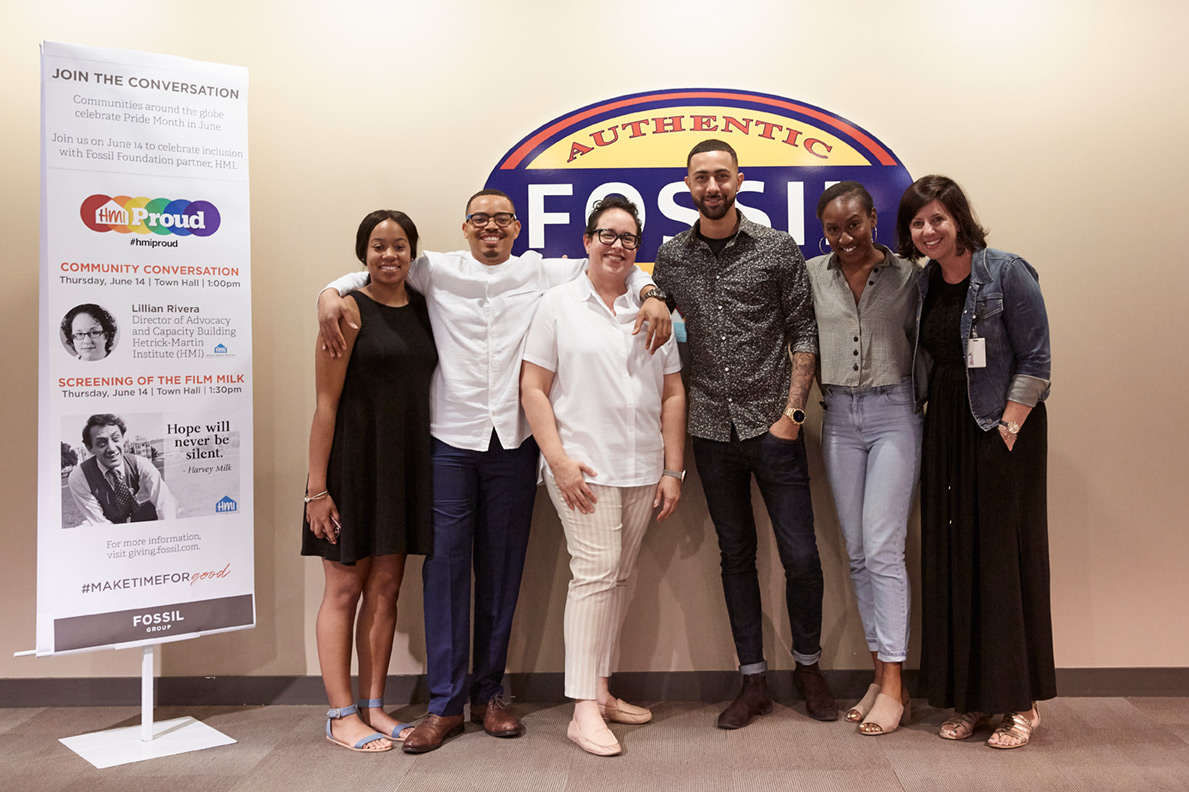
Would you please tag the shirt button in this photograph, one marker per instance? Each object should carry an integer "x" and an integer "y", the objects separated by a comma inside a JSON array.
[
  {"x": 856, "y": 367},
  {"x": 870, "y": 283},
  {"x": 856, "y": 338},
  {"x": 856, "y": 352}
]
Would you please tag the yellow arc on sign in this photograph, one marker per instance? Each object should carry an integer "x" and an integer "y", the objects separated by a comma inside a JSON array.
[{"x": 662, "y": 137}]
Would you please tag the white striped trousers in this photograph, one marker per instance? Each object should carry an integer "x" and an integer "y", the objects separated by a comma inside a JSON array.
[{"x": 603, "y": 549}]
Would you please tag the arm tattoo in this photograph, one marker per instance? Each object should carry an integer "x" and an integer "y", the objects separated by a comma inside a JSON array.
[{"x": 803, "y": 369}]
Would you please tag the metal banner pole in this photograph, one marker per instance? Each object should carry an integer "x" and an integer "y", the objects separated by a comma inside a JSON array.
[{"x": 146, "y": 694}]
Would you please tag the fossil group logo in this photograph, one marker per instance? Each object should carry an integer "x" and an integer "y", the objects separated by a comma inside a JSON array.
[
  {"x": 636, "y": 146},
  {"x": 161, "y": 216}
]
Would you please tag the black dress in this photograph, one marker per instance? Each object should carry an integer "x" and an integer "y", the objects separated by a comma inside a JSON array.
[
  {"x": 987, "y": 639},
  {"x": 379, "y": 472}
]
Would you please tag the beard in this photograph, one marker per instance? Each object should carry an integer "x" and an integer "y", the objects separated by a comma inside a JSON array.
[{"x": 715, "y": 212}]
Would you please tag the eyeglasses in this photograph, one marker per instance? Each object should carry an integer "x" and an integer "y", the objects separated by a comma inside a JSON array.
[
  {"x": 608, "y": 237},
  {"x": 96, "y": 334},
  {"x": 480, "y": 219}
]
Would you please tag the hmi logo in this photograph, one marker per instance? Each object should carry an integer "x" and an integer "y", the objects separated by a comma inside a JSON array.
[{"x": 161, "y": 216}]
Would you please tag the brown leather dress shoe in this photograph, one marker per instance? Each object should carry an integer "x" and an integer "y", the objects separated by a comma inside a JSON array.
[
  {"x": 496, "y": 719},
  {"x": 812, "y": 686},
  {"x": 753, "y": 699},
  {"x": 432, "y": 732}
]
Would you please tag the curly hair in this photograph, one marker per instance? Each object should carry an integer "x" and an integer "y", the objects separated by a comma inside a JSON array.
[{"x": 99, "y": 314}]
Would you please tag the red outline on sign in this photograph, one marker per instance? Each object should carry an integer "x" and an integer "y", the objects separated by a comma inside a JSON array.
[{"x": 514, "y": 159}]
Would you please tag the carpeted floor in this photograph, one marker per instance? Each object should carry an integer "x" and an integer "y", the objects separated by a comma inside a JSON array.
[{"x": 1090, "y": 744}]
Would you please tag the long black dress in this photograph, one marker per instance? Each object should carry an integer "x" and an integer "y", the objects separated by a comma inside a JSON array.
[
  {"x": 987, "y": 640},
  {"x": 379, "y": 472}
]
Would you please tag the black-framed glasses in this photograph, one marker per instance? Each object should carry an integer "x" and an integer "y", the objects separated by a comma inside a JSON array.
[
  {"x": 480, "y": 219},
  {"x": 96, "y": 334},
  {"x": 608, "y": 237}
]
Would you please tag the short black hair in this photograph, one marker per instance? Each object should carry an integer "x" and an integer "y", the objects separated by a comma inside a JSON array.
[
  {"x": 489, "y": 191},
  {"x": 845, "y": 188},
  {"x": 99, "y": 314},
  {"x": 712, "y": 144},
  {"x": 364, "y": 234},
  {"x": 102, "y": 419},
  {"x": 612, "y": 202},
  {"x": 971, "y": 235}
]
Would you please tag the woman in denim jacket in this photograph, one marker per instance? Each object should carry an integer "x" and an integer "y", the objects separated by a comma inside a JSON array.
[{"x": 983, "y": 339}]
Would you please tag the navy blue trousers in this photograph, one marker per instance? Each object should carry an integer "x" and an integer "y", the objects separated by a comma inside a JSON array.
[{"x": 483, "y": 509}]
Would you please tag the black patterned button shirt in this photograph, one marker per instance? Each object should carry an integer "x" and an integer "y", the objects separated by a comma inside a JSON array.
[{"x": 744, "y": 311}]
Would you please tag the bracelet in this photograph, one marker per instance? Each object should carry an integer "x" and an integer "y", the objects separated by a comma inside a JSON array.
[
  {"x": 319, "y": 496},
  {"x": 677, "y": 474}
]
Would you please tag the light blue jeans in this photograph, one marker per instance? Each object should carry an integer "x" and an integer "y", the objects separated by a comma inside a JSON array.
[{"x": 871, "y": 444}]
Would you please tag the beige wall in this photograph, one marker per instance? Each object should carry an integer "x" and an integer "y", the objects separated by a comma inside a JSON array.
[{"x": 1065, "y": 120}]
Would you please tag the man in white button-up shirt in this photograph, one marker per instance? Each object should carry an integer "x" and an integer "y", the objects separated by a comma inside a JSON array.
[{"x": 481, "y": 303}]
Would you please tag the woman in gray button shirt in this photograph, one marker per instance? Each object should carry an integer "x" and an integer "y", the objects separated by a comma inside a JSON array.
[{"x": 865, "y": 299}]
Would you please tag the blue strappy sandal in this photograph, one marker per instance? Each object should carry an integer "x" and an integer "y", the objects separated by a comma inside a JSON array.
[
  {"x": 379, "y": 704},
  {"x": 342, "y": 712}
]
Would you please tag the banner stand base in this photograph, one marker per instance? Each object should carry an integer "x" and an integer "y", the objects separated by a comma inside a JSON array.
[{"x": 149, "y": 740}]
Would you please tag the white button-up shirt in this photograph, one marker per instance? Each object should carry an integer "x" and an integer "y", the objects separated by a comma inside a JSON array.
[
  {"x": 480, "y": 314},
  {"x": 607, "y": 388}
]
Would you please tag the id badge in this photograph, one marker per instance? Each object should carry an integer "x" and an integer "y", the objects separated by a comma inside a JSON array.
[{"x": 976, "y": 353}]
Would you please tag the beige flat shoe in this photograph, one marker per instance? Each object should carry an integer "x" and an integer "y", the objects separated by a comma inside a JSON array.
[
  {"x": 600, "y": 743},
  {"x": 962, "y": 725},
  {"x": 619, "y": 711},
  {"x": 858, "y": 712},
  {"x": 886, "y": 716},
  {"x": 1016, "y": 729}
]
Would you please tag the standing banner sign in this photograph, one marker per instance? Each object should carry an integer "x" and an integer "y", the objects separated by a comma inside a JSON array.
[{"x": 145, "y": 503}]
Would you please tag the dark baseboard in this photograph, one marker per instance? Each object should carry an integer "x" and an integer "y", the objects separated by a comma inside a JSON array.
[{"x": 545, "y": 688}]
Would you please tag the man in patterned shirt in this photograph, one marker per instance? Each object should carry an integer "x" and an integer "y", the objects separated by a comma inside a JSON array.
[{"x": 745, "y": 296}]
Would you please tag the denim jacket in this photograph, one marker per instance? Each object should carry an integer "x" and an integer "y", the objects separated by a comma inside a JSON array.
[{"x": 1005, "y": 307}]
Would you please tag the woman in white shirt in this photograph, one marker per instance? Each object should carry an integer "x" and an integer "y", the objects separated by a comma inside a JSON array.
[{"x": 610, "y": 421}]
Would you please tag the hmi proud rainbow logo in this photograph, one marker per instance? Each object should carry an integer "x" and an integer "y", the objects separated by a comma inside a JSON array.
[
  {"x": 636, "y": 146},
  {"x": 162, "y": 216}
]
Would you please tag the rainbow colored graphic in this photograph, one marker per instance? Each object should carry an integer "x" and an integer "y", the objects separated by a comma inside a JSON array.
[{"x": 161, "y": 216}]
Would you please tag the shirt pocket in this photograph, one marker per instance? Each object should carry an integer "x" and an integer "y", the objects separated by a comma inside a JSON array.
[{"x": 988, "y": 317}]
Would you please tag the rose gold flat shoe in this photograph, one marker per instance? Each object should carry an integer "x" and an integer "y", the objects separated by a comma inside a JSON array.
[
  {"x": 962, "y": 725},
  {"x": 1016, "y": 727},
  {"x": 600, "y": 743},
  {"x": 619, "y": 711}
]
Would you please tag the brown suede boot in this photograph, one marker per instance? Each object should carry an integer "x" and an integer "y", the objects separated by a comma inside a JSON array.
[
  {"x": 753, "y": 699},
  {"x": 812, "y": 686}
]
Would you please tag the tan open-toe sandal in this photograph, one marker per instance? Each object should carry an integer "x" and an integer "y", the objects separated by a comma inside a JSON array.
[
  {"x": 886, "y": 716},
  {"x": 858, "y": 712}
]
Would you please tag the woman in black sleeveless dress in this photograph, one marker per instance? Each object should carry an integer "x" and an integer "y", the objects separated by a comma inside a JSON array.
[
  {"x": 987, "y": 637},
  {"x": 368, "y": 492}
]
